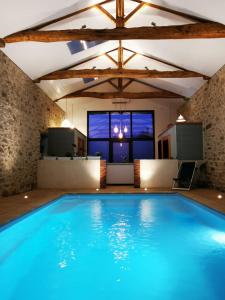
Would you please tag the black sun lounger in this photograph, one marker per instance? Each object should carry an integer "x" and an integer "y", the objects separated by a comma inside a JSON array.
[{"x": 185, "y": 176}]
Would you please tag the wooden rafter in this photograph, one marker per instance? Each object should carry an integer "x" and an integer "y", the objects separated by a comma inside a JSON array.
[
  {"x": 147, "y": 84},
  {"x": 133, "y": 12},
  {"x": 172, "y": 11},
  {"x": 89, "y": 87},
  {"x": 127, "y": 84},
  {"x": 114, "y": 95},
  {"x": 118, "y": 73},
  {"x": 119, "y": 13},
  {"x": 153, "y": 86},
  {"x": 189, "y": 31},
  {"x": 113, "y": 84},
  {"x": 120, "y": 84},
  {"x": 105, "y": 12},
  {"x": 162, "y": 61},
  {"x": 77, "y": 64},
  {"x": 112, "y": 59},
  {"x": 129, "y": 58},
  {"x": 48, "y": 23},
  {"x": 120, "y": 55}
]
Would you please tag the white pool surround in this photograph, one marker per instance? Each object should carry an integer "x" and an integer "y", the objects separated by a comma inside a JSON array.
[{"x": 66, "y": 173}]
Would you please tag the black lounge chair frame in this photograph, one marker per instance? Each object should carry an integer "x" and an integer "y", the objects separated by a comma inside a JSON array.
[{"x": 185, "y": 178}]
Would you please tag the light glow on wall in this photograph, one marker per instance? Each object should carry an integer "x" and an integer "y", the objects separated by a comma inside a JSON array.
[
  {"x": 66, "y": 124},
  {"x": 158, "y": 173}
]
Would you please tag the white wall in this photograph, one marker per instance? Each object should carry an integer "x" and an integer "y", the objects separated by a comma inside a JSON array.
[
  {"x": 165, "y": 110},
  {"x": 158, "y": 173},
  {"x": 68, "y": 174},
  {"x": 120, "y": 174}
]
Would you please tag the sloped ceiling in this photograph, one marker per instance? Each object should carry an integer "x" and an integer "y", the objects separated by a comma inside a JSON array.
[{"x": 37, "y": 59}]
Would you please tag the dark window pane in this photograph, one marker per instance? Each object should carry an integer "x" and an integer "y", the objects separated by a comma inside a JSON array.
[
  {"x": 143, "y": 149},
  {"x": 142, "y": 125},
  {"x": 121, "y": 121},
  {"x": 98, "y": 125},
  {"x": 99, "y": 148},
  {"x": 120, "y": 152}
]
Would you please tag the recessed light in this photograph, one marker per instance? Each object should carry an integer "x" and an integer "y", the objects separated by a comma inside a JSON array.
[
  {"x": 219, "y": 196},
  {"x": 26, "y": 196}
]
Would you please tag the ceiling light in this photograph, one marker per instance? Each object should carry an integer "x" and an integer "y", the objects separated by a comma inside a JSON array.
[
  {"x": 116, "y": 129},
  {"x": 120, "y": 136},
  {"x": 180, "y": 119},
  {"x": 219, "y": 196},
  {"x": 125, "y": 130},
  {"x": 66, "y": 123},
  {"x": 26, "y": 197}
]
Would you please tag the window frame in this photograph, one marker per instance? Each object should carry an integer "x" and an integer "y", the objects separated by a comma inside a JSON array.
[{"x": 129, "y": 140}]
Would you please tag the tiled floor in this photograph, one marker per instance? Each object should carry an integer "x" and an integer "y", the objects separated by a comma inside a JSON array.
[{"x": 15, "y": 206}]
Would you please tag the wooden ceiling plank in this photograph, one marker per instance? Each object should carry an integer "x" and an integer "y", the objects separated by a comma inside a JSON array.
[{"x": 188, "y": 31}]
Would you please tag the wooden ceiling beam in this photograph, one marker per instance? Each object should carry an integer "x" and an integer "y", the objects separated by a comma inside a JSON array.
[
  {"x": 189, "y": 31},
  {"x": 154, "y": 87},
  {"x": 120, "y": 55},
  {"x": 112, "y": 59},
  {"x": 115, "y": 95},
  {"x": 129, "y": 58},
  {"x": 120, "y": 84},
  {"x": 118, "y": 73},
  {"x": 2, "y": 43},
  {"x": 164, "y": 62},
  {"x": 89, "y": 87},
  {"x": 174, "y": 12},
  {"x": 119, "y": 13},
  {"x": 113, "y": 84},
  {"x": 133, "y": 12},
  {"x": 106, "y": 13},
  {"x": 128, "y": 83}
]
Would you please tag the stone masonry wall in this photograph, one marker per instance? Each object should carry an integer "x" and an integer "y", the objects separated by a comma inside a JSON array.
[
  {"x": 208, "y": 106},
  {"x": 25, "y": 112}
]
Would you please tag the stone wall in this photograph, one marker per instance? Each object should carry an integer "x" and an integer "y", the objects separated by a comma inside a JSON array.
[
  {"x": 208, "y": 106},
  {"x": 25, "y": 113}
]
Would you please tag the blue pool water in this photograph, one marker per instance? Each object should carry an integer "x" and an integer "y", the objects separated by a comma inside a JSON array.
[{"x": 114, "y": 247}]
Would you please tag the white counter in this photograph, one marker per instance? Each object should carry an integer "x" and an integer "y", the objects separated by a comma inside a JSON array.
[
  {"x": 68, "y": 174},
  {"x": 121, "y": 173}
]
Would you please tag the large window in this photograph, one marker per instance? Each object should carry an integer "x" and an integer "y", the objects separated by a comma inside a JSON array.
[{"x": 137, "y": 127}]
